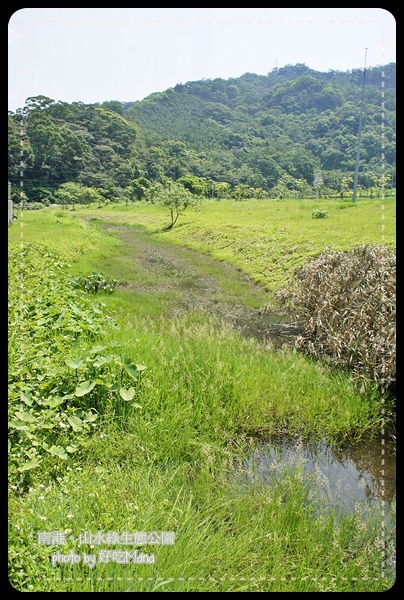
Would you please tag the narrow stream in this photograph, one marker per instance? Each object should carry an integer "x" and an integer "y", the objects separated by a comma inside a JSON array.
[
  {"x": 274, "y": 327},
  {"x": 344, "y": 475}
]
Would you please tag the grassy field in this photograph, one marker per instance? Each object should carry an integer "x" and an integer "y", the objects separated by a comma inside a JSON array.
[
  {"x": 165, "y": 454},
  {"x": 267, "y": 239}
]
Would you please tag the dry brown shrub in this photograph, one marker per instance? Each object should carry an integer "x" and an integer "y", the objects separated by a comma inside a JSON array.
[{"x": 346, "y": 303}]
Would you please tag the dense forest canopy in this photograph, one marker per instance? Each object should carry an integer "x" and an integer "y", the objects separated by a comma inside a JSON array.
[{"x": 255, "y": 135}]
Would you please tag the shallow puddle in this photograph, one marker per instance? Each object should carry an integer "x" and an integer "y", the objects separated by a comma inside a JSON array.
[
  {"x": 274, "y": 328},
  {"x": 342, "y": 476}
]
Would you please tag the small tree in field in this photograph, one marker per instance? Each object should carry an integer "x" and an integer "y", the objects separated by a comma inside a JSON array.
[{"x": 173, "y": 196}]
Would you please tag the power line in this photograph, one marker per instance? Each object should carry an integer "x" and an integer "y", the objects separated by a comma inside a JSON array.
[{"x": 41, "y": 179}]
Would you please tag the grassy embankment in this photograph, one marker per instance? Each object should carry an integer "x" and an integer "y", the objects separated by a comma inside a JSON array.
[
  {"x": 266, "y": 239},
  {"x": 165, "y": 463}
]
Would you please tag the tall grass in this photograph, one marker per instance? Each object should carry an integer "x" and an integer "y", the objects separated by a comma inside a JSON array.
[
  {"x": 227, "y": 538},
  {"x": 205, "y": 373},
  {"x": 169, "y": 462}
]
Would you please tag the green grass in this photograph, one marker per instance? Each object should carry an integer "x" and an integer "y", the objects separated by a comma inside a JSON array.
[
  {"x": 226, "y": 538},
  {"x": 266, "y": 239},
  {"x": 57, "y": 230},
  {"x": 169, "y": 463},
  {"x": 204, "y": 373}
]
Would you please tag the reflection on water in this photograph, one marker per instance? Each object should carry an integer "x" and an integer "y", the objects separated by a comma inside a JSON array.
[
  {"x": 342, "y": 475},
  {"x": 274, "y": 327},
  {"x": 360, "y": 478}
]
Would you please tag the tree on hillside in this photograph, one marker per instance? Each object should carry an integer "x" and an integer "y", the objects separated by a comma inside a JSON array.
[
  {"x": 71, "y": 193},
  {"x": 138, "y": 189},
  {"x": 196, "y": 185}
]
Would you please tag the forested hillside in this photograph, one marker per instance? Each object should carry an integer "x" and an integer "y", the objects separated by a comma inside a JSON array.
[{"x": 256, "y": 135}]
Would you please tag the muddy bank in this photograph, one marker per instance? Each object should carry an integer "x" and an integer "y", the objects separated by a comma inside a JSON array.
[{"x": 200, "y": 282}]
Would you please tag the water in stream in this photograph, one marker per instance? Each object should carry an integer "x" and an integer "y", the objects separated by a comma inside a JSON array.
[
  {"x": 344, "y": 478},
  {"x": 342, "y": 475},
  {"x": 274, "y": 328}
]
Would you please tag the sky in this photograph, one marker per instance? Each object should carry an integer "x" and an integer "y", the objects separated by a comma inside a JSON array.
[{"x": 93, "y": 55}]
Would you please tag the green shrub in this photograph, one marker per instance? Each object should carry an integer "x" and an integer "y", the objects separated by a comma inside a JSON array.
[
  {"x": 319, "y": 213},
  {"x": 94, "y": 282}
]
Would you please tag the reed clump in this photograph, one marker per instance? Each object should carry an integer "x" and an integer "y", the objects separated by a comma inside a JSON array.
[{"x": 346, "y": 303}]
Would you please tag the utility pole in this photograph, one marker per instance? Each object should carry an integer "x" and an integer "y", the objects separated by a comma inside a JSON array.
[
  {"x": 392, "y": 173},
  {"x": 359, "y": 135},
  {"x": 318, "y": 181},
  {"x": 10, "y": 205}
]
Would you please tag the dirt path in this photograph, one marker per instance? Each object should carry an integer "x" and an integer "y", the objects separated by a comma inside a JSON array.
[{"x": 198, "y": 281}]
